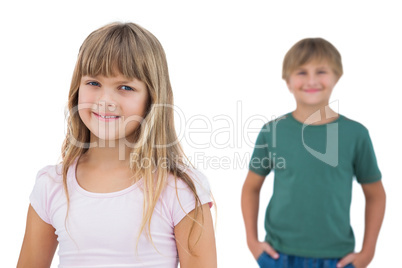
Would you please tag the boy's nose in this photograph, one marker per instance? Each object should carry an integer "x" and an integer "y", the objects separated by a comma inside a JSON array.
[{"x": 312, "y": 80}]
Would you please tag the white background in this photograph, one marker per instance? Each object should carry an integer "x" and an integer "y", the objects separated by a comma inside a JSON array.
[{"x": 222, "y": 55}]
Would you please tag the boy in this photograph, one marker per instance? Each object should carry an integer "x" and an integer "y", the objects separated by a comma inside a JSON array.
[{"x": 307, "y": 220}]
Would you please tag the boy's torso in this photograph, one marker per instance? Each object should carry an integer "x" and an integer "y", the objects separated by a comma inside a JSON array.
[{"x": 308, "y": 214}]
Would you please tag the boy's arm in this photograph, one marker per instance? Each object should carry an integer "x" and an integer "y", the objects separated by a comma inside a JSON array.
[
  {"x": 250, "y": 201},
  {"x": 375, "y": 208},
  {"x": 40, "y": 243}
]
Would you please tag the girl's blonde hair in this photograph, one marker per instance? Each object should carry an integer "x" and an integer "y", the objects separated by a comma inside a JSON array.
[
  {"x": 134, "y": 52},
  {"x": 309, "y": 49}
]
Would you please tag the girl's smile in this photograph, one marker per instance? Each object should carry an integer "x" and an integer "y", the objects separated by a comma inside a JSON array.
[{"x": 106, "y": 117}]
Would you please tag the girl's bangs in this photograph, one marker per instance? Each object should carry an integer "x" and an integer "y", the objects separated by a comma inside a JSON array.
[{"x": 112, "y": 53}]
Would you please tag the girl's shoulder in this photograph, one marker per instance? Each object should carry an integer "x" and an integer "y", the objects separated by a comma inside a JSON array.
[
  {"x": 50, "y": 177},
  {"x": 198, "y": 179},
  {"x": 47, "y": 188},
  {"x": 180, "y": 198},
  {"x": 52, "y": 173}
]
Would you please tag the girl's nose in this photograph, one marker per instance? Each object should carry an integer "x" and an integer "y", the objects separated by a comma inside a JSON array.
[
  {"x": 106, "y": 106},
  {"x": 106, "y": 101}
]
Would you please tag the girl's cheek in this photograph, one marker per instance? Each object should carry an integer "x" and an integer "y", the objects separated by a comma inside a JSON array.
[{"x": 85, "y": 96}]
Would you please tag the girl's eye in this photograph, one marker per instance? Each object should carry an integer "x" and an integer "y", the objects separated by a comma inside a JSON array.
[
  {"x": 127, "y": 88},
  {"x": 301, "y": 73},
  {"x": 96, "y": 84},
  {"x": 322, "y": 72}
]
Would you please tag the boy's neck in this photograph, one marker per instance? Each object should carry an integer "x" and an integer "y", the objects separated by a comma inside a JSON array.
[{"x": 315, "y": 116}]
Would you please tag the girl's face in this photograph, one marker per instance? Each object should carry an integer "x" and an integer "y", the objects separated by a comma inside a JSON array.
[
  {"x": 312, "y": 83},
  {"x": 112, "y": 107}
]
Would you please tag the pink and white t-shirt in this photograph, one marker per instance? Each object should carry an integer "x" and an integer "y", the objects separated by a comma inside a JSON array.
[{"x": 102, "y": 228}]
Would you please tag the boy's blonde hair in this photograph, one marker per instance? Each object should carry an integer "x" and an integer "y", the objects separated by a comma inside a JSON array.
[
  {"x": 311, "y": 49},
  {"x": 134, "y": 52}
]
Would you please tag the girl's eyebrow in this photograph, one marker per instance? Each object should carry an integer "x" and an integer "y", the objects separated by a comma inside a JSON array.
[
  {"x": 124, "y": 82},
  {"x": 88, "y": 77}
]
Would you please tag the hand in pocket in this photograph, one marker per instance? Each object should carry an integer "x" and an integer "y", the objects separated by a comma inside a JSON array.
[{"x": 257, "y": 248}]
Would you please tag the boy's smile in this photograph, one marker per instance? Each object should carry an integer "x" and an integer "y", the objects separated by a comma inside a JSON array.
[{"x": 312, "y": 84}]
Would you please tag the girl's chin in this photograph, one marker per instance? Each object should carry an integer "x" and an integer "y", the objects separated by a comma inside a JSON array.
[{"x": 106, "y": 139}]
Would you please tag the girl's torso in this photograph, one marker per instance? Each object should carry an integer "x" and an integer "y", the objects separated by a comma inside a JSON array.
[{"x": 104, "y": 219}]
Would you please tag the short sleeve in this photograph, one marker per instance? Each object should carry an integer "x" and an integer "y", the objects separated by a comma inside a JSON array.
[
  {"x": 365, "y": 162},
  {"x": 183, "y": 201},
  {"x": 260, "y": 162},
  {"x": 39, "y": 195}
]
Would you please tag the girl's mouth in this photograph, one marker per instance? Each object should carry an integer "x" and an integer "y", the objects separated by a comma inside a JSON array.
[{"x": 106, "y": 118}]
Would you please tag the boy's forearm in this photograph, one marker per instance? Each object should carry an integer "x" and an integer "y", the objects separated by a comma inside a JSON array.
[
  {"x": 250, "y": 204},
  {"x": 374, "y": 214}
]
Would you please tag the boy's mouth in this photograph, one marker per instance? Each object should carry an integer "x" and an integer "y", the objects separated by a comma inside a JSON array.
[{"x": 312, "y": 90}]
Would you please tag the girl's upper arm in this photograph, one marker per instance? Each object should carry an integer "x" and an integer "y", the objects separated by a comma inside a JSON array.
[
  {"x": 40, "y": 243},
  {"x": 202, "y": 241}
]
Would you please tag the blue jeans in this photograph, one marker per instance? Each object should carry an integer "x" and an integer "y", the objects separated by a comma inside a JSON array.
[{"x": 289, "y": 261}]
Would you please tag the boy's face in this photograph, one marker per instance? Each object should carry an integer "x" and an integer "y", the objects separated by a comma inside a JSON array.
[{"x": 312, "y": 84}]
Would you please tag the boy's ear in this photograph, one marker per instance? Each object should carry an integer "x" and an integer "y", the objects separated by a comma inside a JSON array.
[
  {"x": 287, "y": 84},
  {"x": 337, "y": 80}
]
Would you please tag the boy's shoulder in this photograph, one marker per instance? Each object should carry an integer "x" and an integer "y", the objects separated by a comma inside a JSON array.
[
  {"x": 353, "y": 126},
  {"x": 276, "y": 120},
  {"x": 286, "y": 122}
]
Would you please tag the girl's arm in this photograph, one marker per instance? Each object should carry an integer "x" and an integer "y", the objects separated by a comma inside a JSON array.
[
  {"x": 375, "y": 209},
  {"x": 250, "y": 200},
  {"x": 40, "y": 243},
  {"x": 204, "y": 251}
]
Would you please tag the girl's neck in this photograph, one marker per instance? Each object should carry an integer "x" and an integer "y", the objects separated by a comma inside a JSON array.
[
  {"x": 108, "y": 154},
  {"x": 315, "y": 115}
]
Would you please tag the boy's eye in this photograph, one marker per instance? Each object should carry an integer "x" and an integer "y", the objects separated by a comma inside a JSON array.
[
  {"x": 93, "y": 84},
  {"x": 322, "y": 72},
  {"x": 127, "y": 88},
  {"x": 301, "y": 73}
]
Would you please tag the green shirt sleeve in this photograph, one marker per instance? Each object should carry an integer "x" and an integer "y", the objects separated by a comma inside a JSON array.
[
  {"x": 365, "y": 163},
  {"x": 260, "y": 161}
]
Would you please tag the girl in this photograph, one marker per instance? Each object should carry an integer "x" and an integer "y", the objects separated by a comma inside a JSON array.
[{"x": 123, "y": 195}]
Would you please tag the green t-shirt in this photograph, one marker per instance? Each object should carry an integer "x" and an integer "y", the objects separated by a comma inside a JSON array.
[{"x": 314, "y": 165}]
